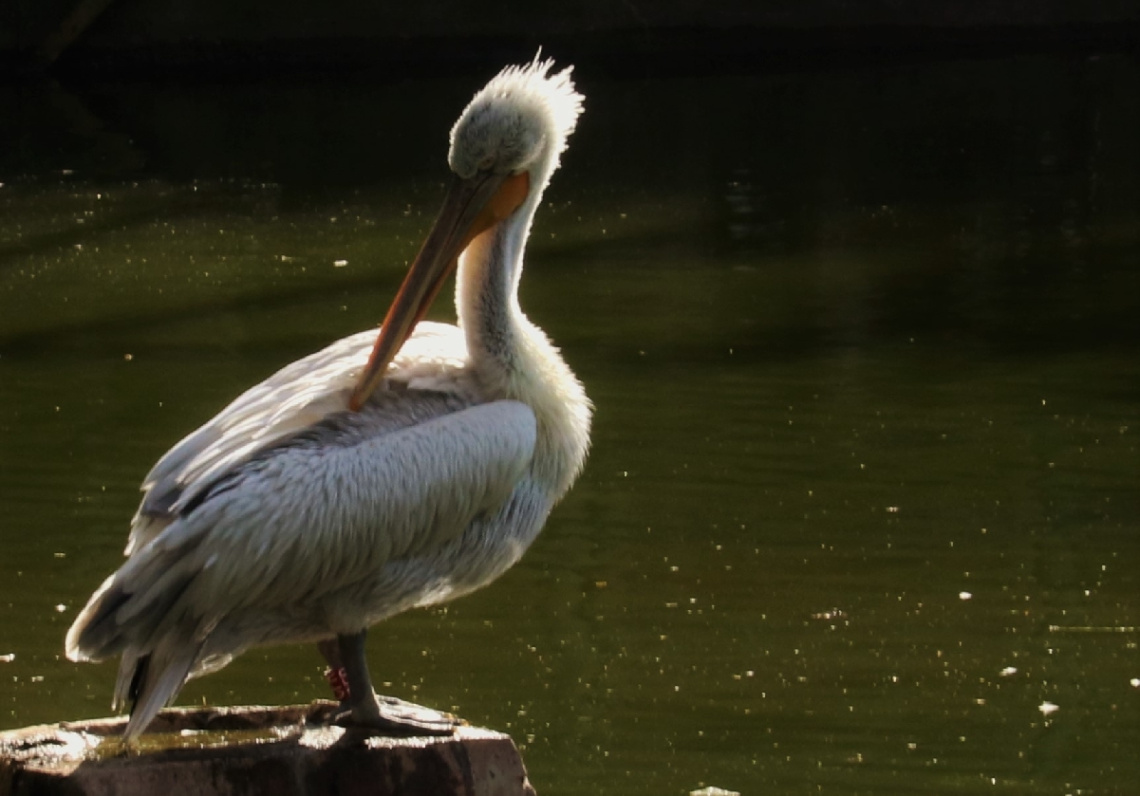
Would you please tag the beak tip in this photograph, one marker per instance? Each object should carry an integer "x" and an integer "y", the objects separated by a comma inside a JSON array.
[{"x": 359, "y": 396}]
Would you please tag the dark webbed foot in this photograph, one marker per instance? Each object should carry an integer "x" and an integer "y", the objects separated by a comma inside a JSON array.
[
  {"x": 391, "y": 716},
  {"x": 362, "y": 709}
]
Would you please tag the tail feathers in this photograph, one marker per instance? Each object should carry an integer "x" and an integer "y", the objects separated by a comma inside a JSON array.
[
  {"x": 89, "y": 635},
  {"x": 135, "y": 604},
  {"x": 132, "y": 672},
  {"x": 144, "y": 613},
  {"x": 152, "y": 680}
]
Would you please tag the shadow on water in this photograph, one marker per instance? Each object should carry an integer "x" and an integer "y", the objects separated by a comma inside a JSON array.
[{"x": 861, "y": 513}]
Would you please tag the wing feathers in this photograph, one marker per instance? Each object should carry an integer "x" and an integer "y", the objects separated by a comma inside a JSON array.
[
  {"x": 292, "y": 400},
  {"x": 306, "y": 520},
  {"x": 316, "y": 516}
]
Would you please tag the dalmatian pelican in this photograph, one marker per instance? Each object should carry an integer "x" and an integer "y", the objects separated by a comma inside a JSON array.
[{"x": 378, "y": 474}]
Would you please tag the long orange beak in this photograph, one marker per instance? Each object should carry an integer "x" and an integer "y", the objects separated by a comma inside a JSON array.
[{"x": 471, "y": 207}]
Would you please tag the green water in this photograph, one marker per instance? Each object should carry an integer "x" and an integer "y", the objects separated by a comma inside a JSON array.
[{"x": 864, "y": 496}]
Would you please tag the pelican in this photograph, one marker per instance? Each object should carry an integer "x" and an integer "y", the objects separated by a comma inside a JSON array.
[{"x": 370, "y": 477}]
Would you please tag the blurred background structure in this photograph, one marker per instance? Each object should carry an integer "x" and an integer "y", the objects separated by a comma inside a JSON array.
[{"x": 193, "y": 35}]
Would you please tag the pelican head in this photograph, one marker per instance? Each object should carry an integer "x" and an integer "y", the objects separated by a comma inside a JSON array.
[
  {"x": 504, "y": 147},
  {"x": 518, "y": 122}
]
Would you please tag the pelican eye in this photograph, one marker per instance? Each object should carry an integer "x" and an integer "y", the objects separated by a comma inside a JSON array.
[{"x": 486, "y": 164}]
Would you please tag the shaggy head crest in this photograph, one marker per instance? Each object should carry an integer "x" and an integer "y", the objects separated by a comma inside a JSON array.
[{"x": 520, "y": 119}]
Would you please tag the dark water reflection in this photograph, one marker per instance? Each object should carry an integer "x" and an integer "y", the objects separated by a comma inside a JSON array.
[{"x": 863, "y": 500}]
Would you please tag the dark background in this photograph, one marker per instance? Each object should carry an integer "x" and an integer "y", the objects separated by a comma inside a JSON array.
[{"x": 146, "y": 38}]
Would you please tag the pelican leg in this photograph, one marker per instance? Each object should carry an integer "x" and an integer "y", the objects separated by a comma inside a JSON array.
[
  {"x": 362, "y": 704},
  {"x": 388, "y": 715}
]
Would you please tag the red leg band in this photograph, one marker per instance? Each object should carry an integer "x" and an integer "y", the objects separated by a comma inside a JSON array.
[{"x": 338, "y": 681}]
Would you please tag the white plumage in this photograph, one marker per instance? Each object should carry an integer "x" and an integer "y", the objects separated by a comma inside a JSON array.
[{"x": 347, "y": 488}]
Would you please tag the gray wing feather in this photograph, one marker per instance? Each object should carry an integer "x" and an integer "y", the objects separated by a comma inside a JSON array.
[
  {"x": 297, "y": 397},
  {"x": 315, "y": 517},
  {"x": 327, "y": 510}
]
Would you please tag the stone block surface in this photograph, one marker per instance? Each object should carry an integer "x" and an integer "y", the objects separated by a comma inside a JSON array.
[{"x": 290, "y": 751}]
